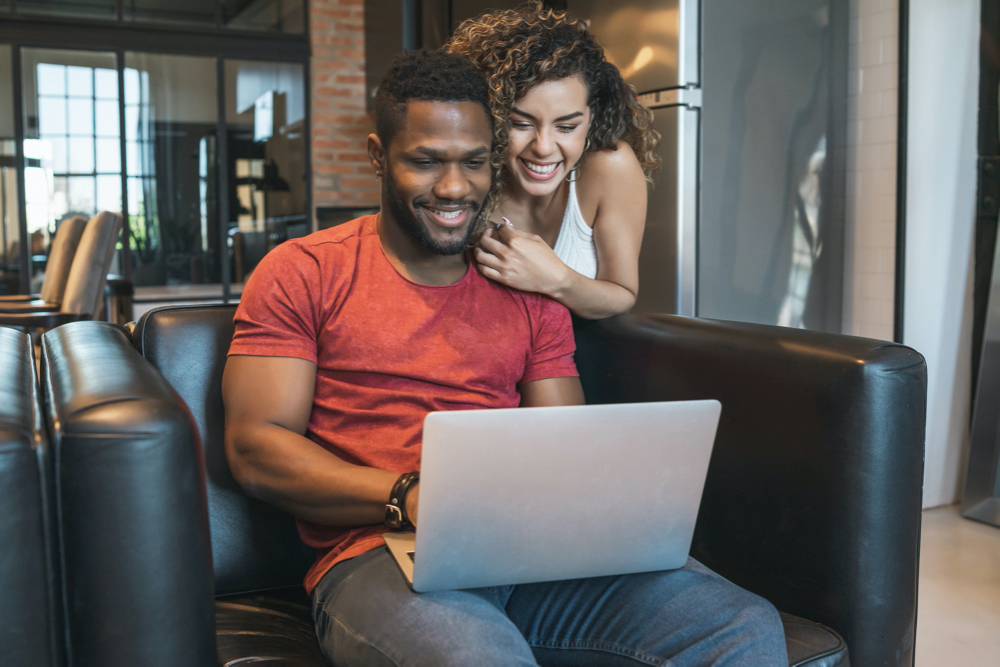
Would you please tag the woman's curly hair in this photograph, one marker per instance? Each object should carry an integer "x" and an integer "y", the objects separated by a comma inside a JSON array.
[{"x": 519, "y": 48}]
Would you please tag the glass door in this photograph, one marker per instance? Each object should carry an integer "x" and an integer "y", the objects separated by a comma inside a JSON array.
[
  {"x": 266, "y": 160},
  {"x": 171, "y": 123}
]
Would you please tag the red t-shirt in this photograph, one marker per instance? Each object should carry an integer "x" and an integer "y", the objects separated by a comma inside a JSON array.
[{"x": 388, "y": 351}]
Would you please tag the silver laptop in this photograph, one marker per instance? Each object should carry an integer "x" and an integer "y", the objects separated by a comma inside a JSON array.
[{"x": 541, "y": 494}]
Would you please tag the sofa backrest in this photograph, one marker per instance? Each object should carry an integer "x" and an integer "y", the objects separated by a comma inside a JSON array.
[
  {"x": 28, "y": 633},
  {"x": 813, "y": 494},
  {"x": 254, "y": 545}
]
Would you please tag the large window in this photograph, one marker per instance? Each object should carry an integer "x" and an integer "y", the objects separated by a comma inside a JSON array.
[
  {"x": 70, "y": 141},
  {"x": 204, "y": 153}
]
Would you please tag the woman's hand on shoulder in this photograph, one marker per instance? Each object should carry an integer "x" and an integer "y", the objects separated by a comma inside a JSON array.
[{"x": 520, "y": 260}]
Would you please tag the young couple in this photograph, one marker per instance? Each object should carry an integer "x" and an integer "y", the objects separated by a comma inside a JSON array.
[{"x": 347, "y": 338}]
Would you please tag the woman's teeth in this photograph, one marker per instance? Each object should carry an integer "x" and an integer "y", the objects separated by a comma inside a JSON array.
[{"x": 541, "y": 169}]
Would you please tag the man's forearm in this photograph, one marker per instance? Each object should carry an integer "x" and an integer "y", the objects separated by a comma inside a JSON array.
[{"x": 293, "y": 473}]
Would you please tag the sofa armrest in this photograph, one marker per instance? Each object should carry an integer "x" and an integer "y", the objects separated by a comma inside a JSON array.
[
  {"x": 130, "y": 491},
  {"x": 814, "y": 490},
  {"x": 30, "y": 634}
]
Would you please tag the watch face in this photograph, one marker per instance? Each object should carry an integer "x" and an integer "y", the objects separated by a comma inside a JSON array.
[{"x": 393, "y": 516}]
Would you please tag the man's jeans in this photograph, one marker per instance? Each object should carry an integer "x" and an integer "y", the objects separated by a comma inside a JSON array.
[{"x": 367, "y": 615}]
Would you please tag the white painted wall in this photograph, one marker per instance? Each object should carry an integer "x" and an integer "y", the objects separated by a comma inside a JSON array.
[{"x": 940, "y": 209}]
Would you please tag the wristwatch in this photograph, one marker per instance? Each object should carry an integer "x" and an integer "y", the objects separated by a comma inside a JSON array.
[{"x": 395, "y": 509}]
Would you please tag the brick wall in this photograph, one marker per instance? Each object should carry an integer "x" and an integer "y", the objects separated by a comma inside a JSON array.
[
  {"x": 342, "y": 175},
  {"x": 870, "y": 239}
]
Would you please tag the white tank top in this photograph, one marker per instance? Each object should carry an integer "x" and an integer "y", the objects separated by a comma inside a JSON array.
[{"x": 575, "y": 243}]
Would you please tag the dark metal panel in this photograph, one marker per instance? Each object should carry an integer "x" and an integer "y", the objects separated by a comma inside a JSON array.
[
  {"x": 383, "y": 42},
  {"x": 307, "y": 88},
  {"x": 668, "y": 258},
  {"x": 658, "y": 278},
  {"x": 22, "y": 205},
  {"x": 981, "y": 499},
  {"x": 988, "y": 186},
  {"x": 393, "y": 27},
  {"x": 85, "y": 34},
  {"x": 126, "y": 262},
  {"x": 222, "y": 165},
  {"x": 901, "y": 128}
]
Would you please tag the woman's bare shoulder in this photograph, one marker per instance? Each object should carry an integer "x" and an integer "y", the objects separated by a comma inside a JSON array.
[
  {"x": 610, "y": 173},
  {"x": 620, "y": 162}
]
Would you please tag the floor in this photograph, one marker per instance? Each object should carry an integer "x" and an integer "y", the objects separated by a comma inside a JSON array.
[{"x": 958, "y": 613}]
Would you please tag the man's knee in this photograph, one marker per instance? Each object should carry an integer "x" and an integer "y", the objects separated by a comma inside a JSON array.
[
  {"x": 759, "y": 618},
  {"x": 366, "y": 615},
  {"x": 754, "y": 633},
  {"x": 457, "y": 640},
  {"x": 740, "y": 627}
]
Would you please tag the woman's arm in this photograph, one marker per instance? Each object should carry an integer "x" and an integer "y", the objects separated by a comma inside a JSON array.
[{"x": 524, "y": 261}]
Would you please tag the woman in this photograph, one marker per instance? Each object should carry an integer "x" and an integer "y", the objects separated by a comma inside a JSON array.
[{"x": 573, "y": 153}]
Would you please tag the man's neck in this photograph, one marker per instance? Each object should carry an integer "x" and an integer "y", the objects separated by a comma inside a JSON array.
[{"x": 413, "y": 260}]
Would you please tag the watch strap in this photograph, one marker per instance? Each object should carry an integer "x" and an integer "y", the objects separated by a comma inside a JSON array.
[{"x": 395, "y": 509}]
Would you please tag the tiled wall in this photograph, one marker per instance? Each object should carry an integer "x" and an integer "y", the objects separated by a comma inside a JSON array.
[
  {"x": 342, "y": 175},
  {"x": 870, "y": 241}
]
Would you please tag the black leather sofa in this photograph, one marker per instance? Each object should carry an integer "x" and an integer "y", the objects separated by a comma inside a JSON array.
[
  {"x": 812, "y": 498},
  {"x": 30, "y": 625}
]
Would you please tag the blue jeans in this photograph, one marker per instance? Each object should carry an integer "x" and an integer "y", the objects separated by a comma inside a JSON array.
[{"x": 367, "y": 615}]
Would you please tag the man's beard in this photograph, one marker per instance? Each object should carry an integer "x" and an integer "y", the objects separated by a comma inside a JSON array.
[{"x": 405, "y": 217}]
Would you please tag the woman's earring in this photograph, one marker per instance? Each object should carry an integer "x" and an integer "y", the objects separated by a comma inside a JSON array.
[{"x": 574, "y": 173}]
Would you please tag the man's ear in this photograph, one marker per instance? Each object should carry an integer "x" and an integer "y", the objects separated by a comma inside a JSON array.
[{"x": 376, "y": 153}]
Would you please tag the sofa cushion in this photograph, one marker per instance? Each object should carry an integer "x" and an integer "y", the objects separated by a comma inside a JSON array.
[
  {"x": 813, "y": 645},
  {"x": 274, "y": 628}
]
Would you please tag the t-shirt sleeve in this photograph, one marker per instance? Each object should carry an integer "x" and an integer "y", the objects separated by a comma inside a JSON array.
[
  {"x": 278, "y": 315},
  {"x": 552, "y": 344}
]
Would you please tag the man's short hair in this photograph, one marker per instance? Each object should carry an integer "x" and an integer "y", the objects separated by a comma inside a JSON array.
[{"x": 430, "y": 76}]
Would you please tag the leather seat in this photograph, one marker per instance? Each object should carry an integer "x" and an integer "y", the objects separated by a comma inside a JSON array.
[{"x": 812, "y": 498}]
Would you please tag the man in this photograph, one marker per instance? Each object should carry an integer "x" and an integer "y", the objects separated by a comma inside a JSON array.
[{"x": 345, "y": 339}]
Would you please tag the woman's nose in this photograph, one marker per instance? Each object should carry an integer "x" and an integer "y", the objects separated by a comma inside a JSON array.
[{"x": 543, "y": 143}]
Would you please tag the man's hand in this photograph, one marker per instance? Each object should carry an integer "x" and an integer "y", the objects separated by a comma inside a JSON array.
[
  {"x": 410, "y": 503},
  {"x": 521, "y": 260}
]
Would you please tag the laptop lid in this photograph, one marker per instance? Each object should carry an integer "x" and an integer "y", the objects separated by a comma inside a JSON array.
[{"x": 542, "y": 494}]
